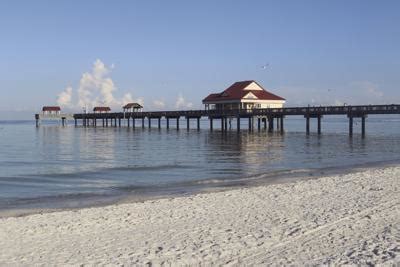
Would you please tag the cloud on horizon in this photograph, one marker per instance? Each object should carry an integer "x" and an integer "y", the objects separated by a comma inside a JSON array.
[{"x": 96, "y": 88}]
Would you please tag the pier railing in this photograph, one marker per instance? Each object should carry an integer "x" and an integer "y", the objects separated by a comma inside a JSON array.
[
  {"x": 289, "y": 111},
  {"x": 266, "y": 116}
]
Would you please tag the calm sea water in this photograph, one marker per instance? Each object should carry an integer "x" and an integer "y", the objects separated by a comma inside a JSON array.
[{"x": 54, "y": 166}]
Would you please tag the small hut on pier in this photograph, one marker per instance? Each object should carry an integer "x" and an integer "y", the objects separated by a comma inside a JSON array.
[
  {"x": 243, "y": 95},
  {"x": 132, "y": 107},
  {"x": 101, "y": 109},
  {"x": 51, "y": 110}
]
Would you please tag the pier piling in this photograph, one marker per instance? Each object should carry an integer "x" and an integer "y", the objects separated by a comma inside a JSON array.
[
  {"x": 319, "y": 124},
  {"x": 226, "y": 123},
  {"x": 363, "y": 126},
  {"x": 270, "y": 124},
  {"x": 350, "y": 125}
]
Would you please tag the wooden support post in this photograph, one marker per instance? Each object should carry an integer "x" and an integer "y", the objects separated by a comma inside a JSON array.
[
  {"x": 250, "y": 121},
  {"x": 319, "y": 123},
  {"x": 133, "y": 122},
  {"x": 282, "y": 127},
  {"x": 119, "y": 122},
  {"x": 103, "y": 122},
  {"x": 95, "y": 122},
  {"x": 159, "y": 123},
  {"x": 128, "y": 122},
  {"x": 307, "y": 124},
  {"x": 198, "y": 123},
  {"x": 278, "y": 126},
  {"x": 226, "y": 124},
  {"x": 142, "y": 122},
  {"x": 149, "y": 122},
  {"x": 167, "y": 123},
  {"x": 222, "y": 124},
  {"x": 270, "y": 125},
  {"x": 63, "y": 121},
  {"x": 115, "y": 122},
  {"x": 265, "y": 123},
  {"x": 259, "y": 124},
  {"x": 177, "y": 123},
  {"x": 75, "y": 122},
  {"x": 238, "y": 123},
  {"x": 187, "y": 123},
  {"x": 211, "y": 124},
  {"x": 350, "y": 125},
  {"x": 363, "y": 125}
]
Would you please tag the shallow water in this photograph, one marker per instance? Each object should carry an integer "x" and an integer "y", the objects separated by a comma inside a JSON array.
[{"x": 76, "y": 166}]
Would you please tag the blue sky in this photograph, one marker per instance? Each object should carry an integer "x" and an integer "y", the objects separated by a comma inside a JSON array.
[{"x": 171, "y": 54}]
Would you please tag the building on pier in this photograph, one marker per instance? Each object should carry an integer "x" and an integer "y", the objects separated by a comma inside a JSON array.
[
  {"x": 132, "y": 107},
  {"x": 51, "y": 110},
  {"x": 101, "y": 109},
  {"x": 247, "y": 95}
]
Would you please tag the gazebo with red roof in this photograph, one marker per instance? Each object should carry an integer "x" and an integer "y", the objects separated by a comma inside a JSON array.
[
  {"x": 243, "y": 95},
  {"x": 51, "y": 110},
  {"x": 132, "y": 107},
  {"x": 101, "y": 109}
]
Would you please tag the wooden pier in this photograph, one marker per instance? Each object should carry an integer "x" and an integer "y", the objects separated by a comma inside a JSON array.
[
  {"x": 54, "y": 117},
  {"x": 266, "y": 118}
]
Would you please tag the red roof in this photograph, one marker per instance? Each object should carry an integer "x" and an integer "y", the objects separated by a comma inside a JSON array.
[
  {"x": 237, "y": 92},
  {"x": 132, "y": 105},
  {"x": 101, "y": 109},
  {"x": 51, "y": 108}
]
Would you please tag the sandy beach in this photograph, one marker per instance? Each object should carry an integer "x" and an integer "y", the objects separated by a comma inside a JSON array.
[{"x": 343, "y": 219}]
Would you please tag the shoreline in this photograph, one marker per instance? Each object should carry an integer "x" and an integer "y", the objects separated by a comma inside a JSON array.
[
  {"x": 71, "y": 203},
  {"x": 348, "y": 218}
]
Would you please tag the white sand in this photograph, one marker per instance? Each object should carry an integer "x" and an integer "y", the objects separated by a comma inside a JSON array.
[{"x": 353, "y": 218}]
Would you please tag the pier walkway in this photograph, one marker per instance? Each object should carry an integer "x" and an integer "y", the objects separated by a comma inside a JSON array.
[{"x": 256, "y": 117}]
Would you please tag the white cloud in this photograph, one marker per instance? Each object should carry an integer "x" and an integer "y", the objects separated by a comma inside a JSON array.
[
  {"x": 182, "y": 103},
  {"x": 64, "y": 99},
  {"x": 158, "y": 104},
  {"x": 96, "y": 87},
  {"x": 127, "y": 98}
]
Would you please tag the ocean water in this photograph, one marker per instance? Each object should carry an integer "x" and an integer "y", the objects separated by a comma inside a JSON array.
[{"x": 62, "y": 167}]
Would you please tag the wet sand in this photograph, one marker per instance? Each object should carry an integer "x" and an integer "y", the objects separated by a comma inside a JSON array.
[{"x": 349, "y": 218}]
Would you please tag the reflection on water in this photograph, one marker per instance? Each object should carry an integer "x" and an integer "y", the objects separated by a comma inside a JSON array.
[{"x": 56, "y": 161}]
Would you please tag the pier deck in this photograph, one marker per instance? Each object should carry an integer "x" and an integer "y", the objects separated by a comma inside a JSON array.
[{"x": 262, "y": 115}]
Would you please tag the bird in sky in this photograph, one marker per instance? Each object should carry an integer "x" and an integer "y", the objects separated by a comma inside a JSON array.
[{"x": 265, "y": 66}]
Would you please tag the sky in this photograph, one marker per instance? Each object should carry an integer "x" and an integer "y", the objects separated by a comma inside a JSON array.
[{"x": 171, "y": 54}]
